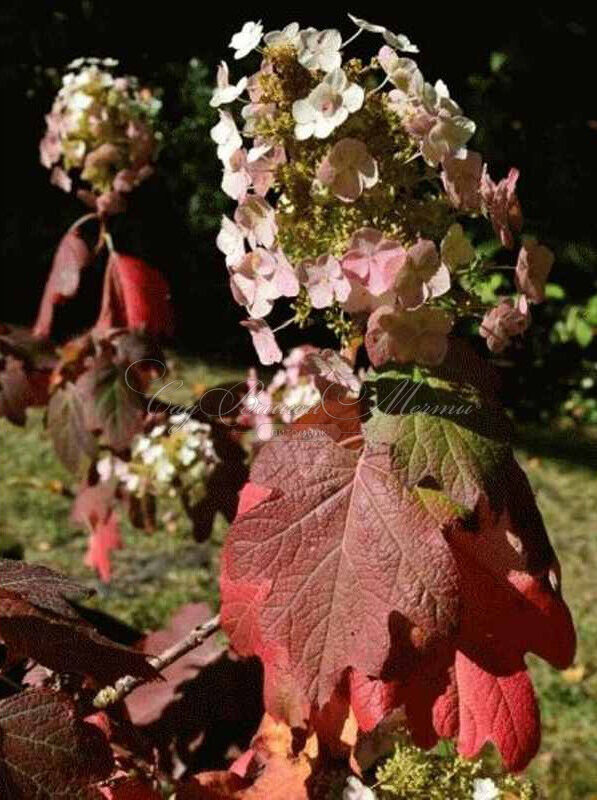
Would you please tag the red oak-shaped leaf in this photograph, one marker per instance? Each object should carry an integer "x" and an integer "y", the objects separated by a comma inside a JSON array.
[
  {"x": 269, "y": 770},
  {"x": 93, "y": 509},
  {"x": 339, "y": 567},
  {"x": 476, "y": 688},
  {"x": 37, "y": 620},
  {"x": 507, "y": 715},
  {"x": 70, "y": 259},
  {"x": 47, "y": 752},
  {"x": 135, "y": 296},
  {"x": 104, "y": 538}
]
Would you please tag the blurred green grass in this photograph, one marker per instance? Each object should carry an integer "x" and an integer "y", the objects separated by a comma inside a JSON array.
[{"x": 155, "y": 573}]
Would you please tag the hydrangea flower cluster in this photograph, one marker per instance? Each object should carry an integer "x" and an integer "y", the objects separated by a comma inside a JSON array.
[
  {"x": 101, "y": 132},
  {"x": 178, "y": 455},
  {"x": 353, "y": 181}
]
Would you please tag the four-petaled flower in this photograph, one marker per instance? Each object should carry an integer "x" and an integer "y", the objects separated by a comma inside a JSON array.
[
  {"x": 361, "y": 300},
  {"x": 253, "y": 170},
  {"x": 327, "y": 107},
  {"x": 262, "y": 162},
  {"x": 320, "y": 49},
  {"x": 225, "y": 134},
  {"x": 231, "y": 242},
  {"x": 455, "y": 248},
  {"x": 402, "y": 72},
  {"x": 373, "y": 260},
  {"x": 462, "y": 181},
  {"x": 246, "y": 39},
  {"x": 532, "y": 268},
  {"x": 288, "y": 35},
  {"x": 432, "y": 117},
  {"x": 404, "y": 336},
  {"x": 325, "y": 281},
  {"x": 225, "y": 92},
  {"x": 257, "y": 220},
  {"x": 348, "y": 169},
  {"x": 264, "y": 341},
  {"x": 421, "y": 275},
  {"x": 237, "y": 180},
  {"x": 397, "y": 40},
  {"x": 260, "y": 278},
  {"x": 502, "y": 323},
  {"x": 501, "y": 204}
]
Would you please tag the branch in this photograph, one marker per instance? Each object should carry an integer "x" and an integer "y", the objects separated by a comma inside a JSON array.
[{"x": 123, "y": 687}]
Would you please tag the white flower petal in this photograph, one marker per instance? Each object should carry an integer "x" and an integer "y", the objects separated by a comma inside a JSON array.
[
  {"x": 400, "y": 42},
  {"x": 354, "y": 97},
  {"x": 302, "y": 111},
  {"x": 288, "y": 35},
  {"x": 247, "y": 39},
  {"x": 367, "y": 26}
]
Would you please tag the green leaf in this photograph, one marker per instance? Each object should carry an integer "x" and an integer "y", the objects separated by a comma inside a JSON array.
[
  {"x": 75, "y": 445},
  {"x": 583, "y": 332},
  {"x": 497, "y": 60},
  {"x": 442, "y": 434},
  {"x": 591, "y": 311},
  {"x": 553, "y": 291}
]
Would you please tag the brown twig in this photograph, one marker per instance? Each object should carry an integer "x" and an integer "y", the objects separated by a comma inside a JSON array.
[{"x": 123, "y": 687}]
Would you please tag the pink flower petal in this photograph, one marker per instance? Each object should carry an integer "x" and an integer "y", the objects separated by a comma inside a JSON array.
[{"x": 264, "y": 341}]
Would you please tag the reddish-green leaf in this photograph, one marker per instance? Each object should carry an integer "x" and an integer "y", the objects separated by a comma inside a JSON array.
[
  {"x": 72, "y": 256},
  {"x": 47, "y": 752},
  {"x": 453, "y": 438},
  {"x": 340, "y": 567},
  {"x": 111, "y": 404},
  {"x": 74, "y": 443},
  {"x": 38, "y": 621}
]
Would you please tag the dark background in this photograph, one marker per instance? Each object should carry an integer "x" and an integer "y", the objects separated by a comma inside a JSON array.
[{"x": 525, "y": 74}]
